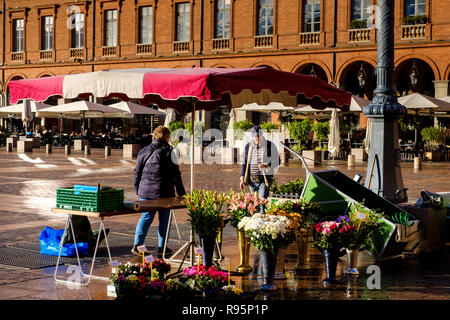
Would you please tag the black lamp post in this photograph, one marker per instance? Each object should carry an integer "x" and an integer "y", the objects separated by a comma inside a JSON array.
[{"x": 383, "y": 113}]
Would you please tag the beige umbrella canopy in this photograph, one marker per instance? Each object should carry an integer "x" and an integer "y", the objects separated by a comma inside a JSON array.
[
  {"x": 273, "y": 106},
  {"x": 334, "y": 138},
  {"x": 418, "y": 101},
  {"x": 446, "y": 99},
  {"x": 18, "y": 109},
  {"x": 82, "y": 109},
  {"x": 134, "y": 108},
  {"x": 356, "y": 105}
]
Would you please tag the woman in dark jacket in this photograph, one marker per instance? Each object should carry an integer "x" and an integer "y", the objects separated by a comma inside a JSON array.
[{"x": 156, "y": 176}]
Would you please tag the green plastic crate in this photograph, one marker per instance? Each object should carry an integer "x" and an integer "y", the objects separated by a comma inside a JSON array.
[{"x": 93, "y": 201}]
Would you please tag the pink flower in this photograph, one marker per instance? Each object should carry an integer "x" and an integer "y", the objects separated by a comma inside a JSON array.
[{"x": 242, "y": 205}]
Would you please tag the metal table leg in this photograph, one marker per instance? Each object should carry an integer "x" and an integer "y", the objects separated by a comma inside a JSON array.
[{"x": 89, "y": 276}]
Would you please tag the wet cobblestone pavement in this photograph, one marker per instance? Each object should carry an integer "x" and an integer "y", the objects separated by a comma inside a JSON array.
[{"x": 28, "y": 185}]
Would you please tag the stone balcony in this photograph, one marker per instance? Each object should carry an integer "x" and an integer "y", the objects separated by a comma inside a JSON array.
[
  {"x": 415, "y": 31},
  {"x": 309, "y": 38}
]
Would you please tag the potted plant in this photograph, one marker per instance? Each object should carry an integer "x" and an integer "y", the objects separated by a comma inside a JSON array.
[
  {"x": 357, "y": 24},
  {"x": 411, "y": 20},
  {"x": 268, "y": 233},
  {"x": 359, "y": 225},
  {"x": 203, "y": 279},
  {"x": 269, "y": 126},
  {"x": 205, "y": 210},
  {"x": 240, "y": 127},
  {"x": 291, "y": 189},
  {"x": 434, "y": 137},
  {"x": 300, "y": 130},
  {"x": 240, "y": 205},
  {"x": 135, "y": 281},
  {"x": 330, "y": 238}
]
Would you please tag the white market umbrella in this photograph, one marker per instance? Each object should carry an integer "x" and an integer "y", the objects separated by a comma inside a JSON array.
[
  {"x": 420, "y": 101},
  {"x": 134, "y": 108},
  {"x": 368, "y": 133},
  {"x": 81, "y": 110},
  {"x": 18, "y": 109},
  {"x": 27, "y": 114},
  {"x": 356, "y": 105},
  {"x": 334, "y": 138},
  {"x": 170, "y": 117},
  {"x": 273, "y": 106},
  {"x": 446, "y": 99},
  {"x": 230, "y": 129}
]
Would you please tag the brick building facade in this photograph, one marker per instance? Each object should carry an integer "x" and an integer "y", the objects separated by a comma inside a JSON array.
[{"x": 333, "y": 39}]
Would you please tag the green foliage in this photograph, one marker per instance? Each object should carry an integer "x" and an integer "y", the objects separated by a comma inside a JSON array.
[
  {"x": 322, "y": 130},
  {"x": 292, "y": 187},
  {"x": 299, "y": 130},
  {"x": 268, "y": 126},
  {"x": 366, "y": 222},
  {"x": 350, "y": 121},
  {"x": 357, "y": 24},
  {"x": 408, "y": 123},
  {"x": 175, "y": 125},
  {"x": 298, "y": 148},
  {"x": 434, "y": 136},
  {"x": 410, "y": 20},
  {"x": 242, "y": 126}
]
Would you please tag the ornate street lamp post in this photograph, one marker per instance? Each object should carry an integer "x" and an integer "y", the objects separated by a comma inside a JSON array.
[{"x": 383, "y": 112}]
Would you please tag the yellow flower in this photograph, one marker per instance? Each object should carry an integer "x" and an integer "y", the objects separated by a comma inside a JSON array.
[{"x": 237, "y": 290}]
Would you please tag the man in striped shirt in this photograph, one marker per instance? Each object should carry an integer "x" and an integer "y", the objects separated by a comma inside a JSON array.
[{"x": 261, "y": 160}]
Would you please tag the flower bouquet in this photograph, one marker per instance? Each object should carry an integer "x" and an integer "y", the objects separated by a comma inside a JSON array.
[
  {"x": 205, "y": 210},
  {"x": 268, "y": 233},
  {"x": 330, "y": 237},
  {"x": 205, "y": 280},
  {"x": 360, "y": 224},
  {"x": 303, "y": 214},
  {"x": 242, "y": 205}
]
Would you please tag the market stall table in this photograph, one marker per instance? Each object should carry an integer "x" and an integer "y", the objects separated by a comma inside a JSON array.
[{"x": 145, "y": 206}]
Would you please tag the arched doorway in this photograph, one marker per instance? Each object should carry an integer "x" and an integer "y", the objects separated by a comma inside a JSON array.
[
  {"x": 359, "y": 79},
  {"x": 314, "y": 70},
  {"x": 414, "y": 75}
]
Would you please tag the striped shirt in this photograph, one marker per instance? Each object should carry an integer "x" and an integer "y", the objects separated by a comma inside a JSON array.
[{"x": 257, "y": 158}]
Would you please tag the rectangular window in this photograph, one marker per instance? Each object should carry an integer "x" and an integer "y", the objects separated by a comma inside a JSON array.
[
  {"x": 145, "y": 25},
  {"x": 265, "y": 17},
  {"x": 222, "y": 19},
  {"x": 47, "y": 33},
  {"x": 311, "y": 16},
  {"x": 414, "y": 7},
  {"x": 361, "y": 10},
  {"x": 111, "y": 28},
  {"x": 77, "y": 30},
  {"x": 183, "y": 21},
  {"x": 18, "y": 35}
]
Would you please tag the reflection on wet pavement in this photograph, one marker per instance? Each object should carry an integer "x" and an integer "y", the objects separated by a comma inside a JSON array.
[{"x": 28, "y": 189}]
